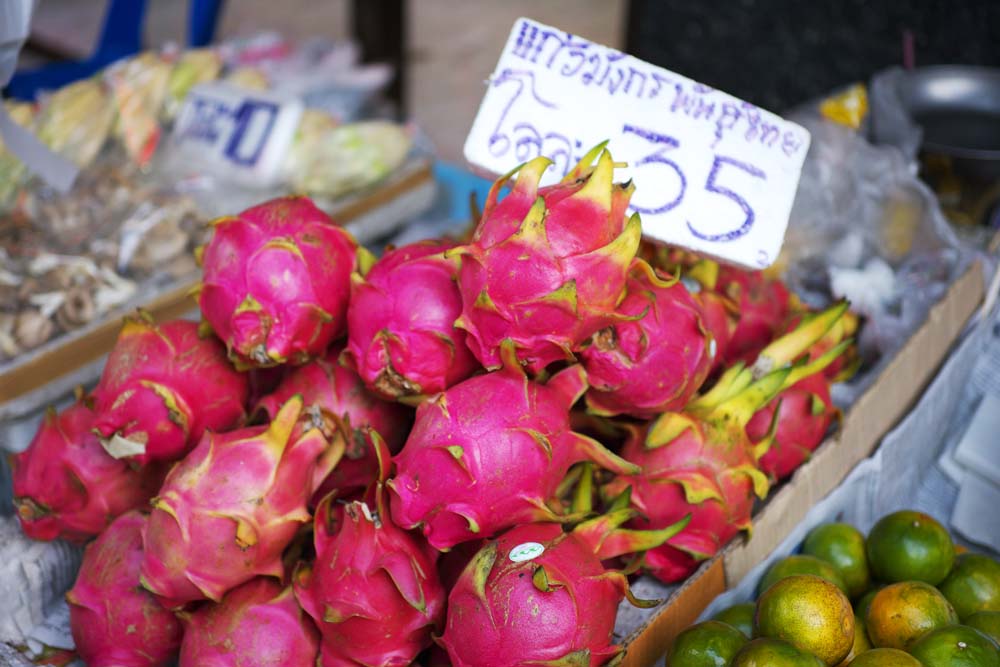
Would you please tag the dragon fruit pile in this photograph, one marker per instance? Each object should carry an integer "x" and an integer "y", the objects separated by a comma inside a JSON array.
[{"x": 455, "y": 454}]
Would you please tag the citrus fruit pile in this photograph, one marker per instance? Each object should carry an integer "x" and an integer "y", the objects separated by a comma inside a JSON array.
[{"x": 904, "y": 596}]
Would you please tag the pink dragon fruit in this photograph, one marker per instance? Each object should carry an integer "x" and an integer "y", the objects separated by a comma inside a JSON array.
[
  {"x": 489, "y": 453},
  {"x": 538, "y": 595},
  {"x": 802, "y": 414},
  {"x": 66, "y": 486},
  {"x": 258, "y": 623},
  {"x": 400, "y": 325},
  {"x": 162, "y": 387},
  {"x": 763, "y": 307},
  {"x": 115, "y": 623},
  {"x": 277, "y": 282},
  {"x": 373, "y": 590},
  {"x": 655, "y": 360},
  {"x": 546, "y": 268},
  {"x": 227, "y": 511},
  {"x": 701, "y": 462},
  {"x": 339, "y": 393}
]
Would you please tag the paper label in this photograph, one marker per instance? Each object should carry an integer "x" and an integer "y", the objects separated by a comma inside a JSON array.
[
  {"x": 239, "y": 134},
  {"x": 713, "y": 174},
  {"x": 526, "y": 551}
]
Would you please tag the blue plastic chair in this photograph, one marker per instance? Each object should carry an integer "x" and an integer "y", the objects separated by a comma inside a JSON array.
[{"x": 121, "y": 36}]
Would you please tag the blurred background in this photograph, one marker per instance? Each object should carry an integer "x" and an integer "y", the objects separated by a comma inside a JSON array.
[{"x": 775, "y": 53}]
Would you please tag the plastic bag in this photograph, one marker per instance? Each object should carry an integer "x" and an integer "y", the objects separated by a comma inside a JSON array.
[
  {"x": 864, "y": 227},
  {"x": 331, "y": 162}
]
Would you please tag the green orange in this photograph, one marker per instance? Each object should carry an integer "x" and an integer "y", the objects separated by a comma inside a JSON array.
[
  {"x": 843, "y": 546},
  {"x": 973, "y": 585},
  {"x": 902, "y": 613},
  {"x": 865, "y": 601},
  {"x": 740, "y": 616},
  {"x": 800, "y": 564},
  {"x": 910, "y": 546},
  {"x": 987, "y": 622},
  {"x": 885, "y": 657},
  {"x": 956, "y": 646},
  {"x": 707, "y": 644},
  {"x": 810, "y": 613},
  {"x": 767, "y": 652}
]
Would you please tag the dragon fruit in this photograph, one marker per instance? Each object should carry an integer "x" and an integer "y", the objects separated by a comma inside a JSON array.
[
  {"x": 844, "y": 367},
  {"x": 373, "y": 590},
  {"x": 400, "y": 325},
  {"x": 227, "y": 511},
  {"x": 763, "y": 307},
  {"x": 66, "y": 486},
  {"x": 802, "y": 414},
  {"x": 258, "y": 623},
  {"x": 115, "y": 623},
  {"x": 655, "y": 360},
  {"x": 277, "y": 282},
  {"x": 538, "y": 595},
  {"x": 339, "y": 393},
  {"x": 547, "y": 267},
  {"x": 489, "y": 453},
  {"x": 162, "y": 387},
  {"x": 700, "y": 461}
]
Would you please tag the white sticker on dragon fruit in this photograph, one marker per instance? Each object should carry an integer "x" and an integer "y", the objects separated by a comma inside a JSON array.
[
  {"x": 713, "y": 174},
  {"x": 526, "y": 551}
]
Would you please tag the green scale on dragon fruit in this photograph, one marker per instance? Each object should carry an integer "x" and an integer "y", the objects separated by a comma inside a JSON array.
[
  {"x": 489, "y": 452},
  {"x": 400, "y": 325},
  {"x": 373, "y": 589},
  {"x": 228, "y": 510},
  {"x": 162, "y": 387},
  {"x": 546, "y": 267},
  {"x": 700, "y": 460},
  {"x": 67, "y": 487},
  {"x": 277, "y": 282},
  {"x": 338, "y": 393}
]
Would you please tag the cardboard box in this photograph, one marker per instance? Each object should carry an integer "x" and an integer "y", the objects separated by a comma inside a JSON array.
[{"x": 874, "y": 413}]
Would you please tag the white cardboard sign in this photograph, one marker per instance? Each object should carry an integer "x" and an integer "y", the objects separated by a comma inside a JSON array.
[
  {"x": 713, "y": 174},
  {"x": 242, "y": 135}
]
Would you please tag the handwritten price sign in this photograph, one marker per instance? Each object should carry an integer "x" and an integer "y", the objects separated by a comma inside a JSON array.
[{"x": 713, "y": 174}]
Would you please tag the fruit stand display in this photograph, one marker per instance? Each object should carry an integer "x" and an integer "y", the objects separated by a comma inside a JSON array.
[{"x": 481, "y": 450}]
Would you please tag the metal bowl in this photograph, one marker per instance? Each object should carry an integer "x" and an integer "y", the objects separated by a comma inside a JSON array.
[{"x": 958, "y": 108}]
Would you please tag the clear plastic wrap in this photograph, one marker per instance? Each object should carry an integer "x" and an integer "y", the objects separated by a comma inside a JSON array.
[{"x": 864, "y": 227}]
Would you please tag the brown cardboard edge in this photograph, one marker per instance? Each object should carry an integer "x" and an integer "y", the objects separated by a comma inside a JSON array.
[
  {"x": 64, "y": 359},
  {"x": 649, "y": 642},
  {"x": 875, "y": 412}
]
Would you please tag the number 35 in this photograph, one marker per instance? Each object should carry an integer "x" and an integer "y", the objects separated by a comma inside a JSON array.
[{"x": 712, "y": 183}]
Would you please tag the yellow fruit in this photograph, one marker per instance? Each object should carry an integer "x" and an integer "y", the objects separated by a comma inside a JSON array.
[
  {"x": 885, "y": 657},
  {"x": 843, "y": 546},
  {"x": 902, "y": 613},
  {"x": 810, "y": 613},
  {"x": 766, "y": 652},
  {"x": 910, "y": 546},
  {"x": 973, "y": 585},
  {"x": 800, "y": 564},
  {"x": 861, "y": 641},
  {"x": 708, "y": 644},
  {"x": 740, "y": 616},
  {"x": 956, "y": 646}
]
